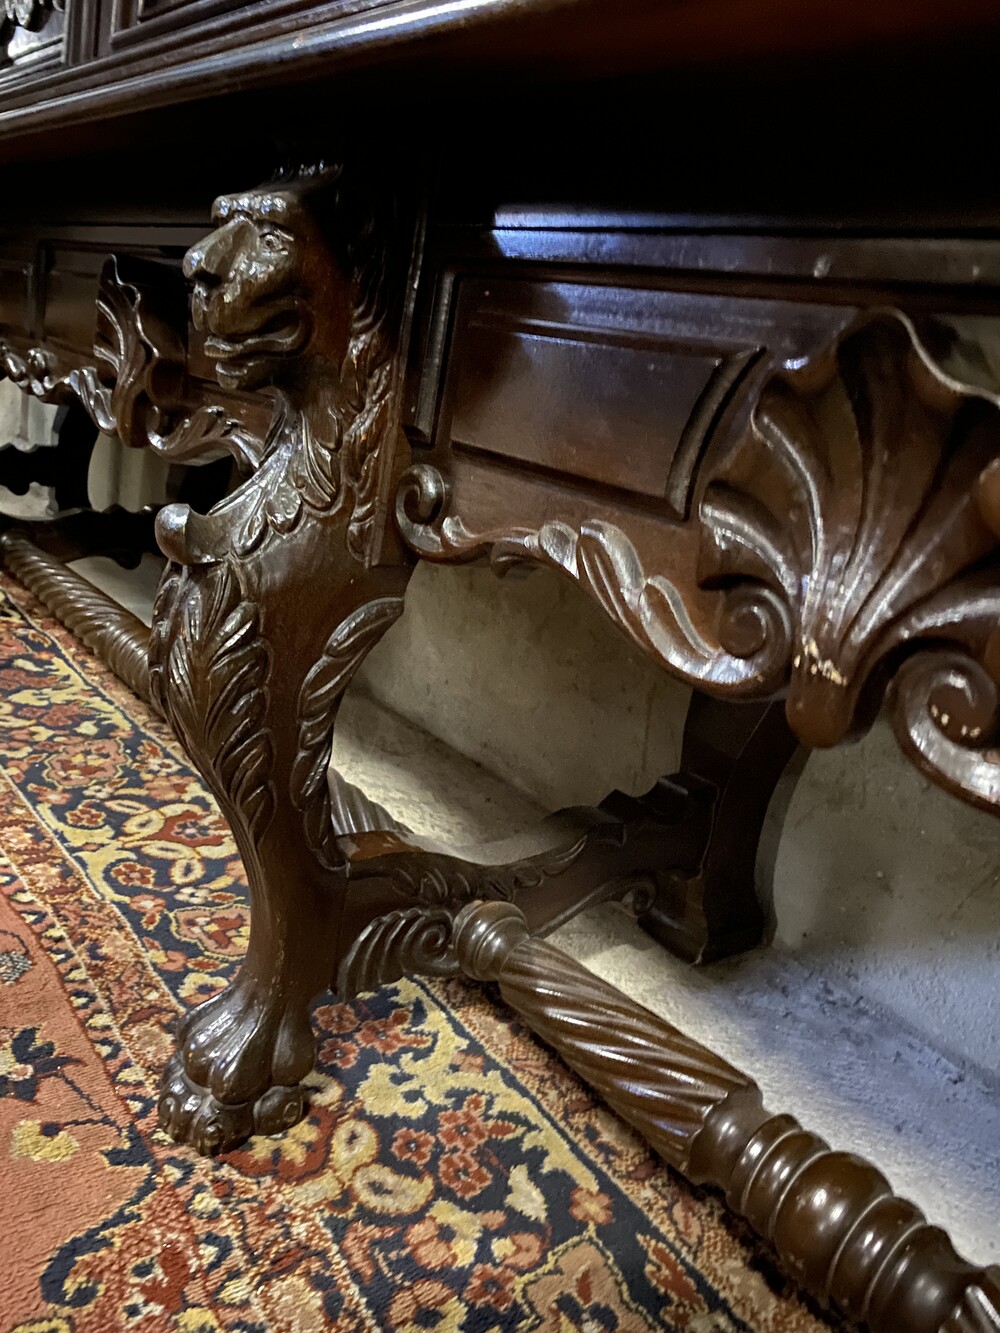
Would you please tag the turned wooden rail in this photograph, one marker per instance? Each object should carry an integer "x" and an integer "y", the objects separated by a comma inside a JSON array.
[
  {"x": 833, "y": 1219},
  {"x": 119, "y": 638}
]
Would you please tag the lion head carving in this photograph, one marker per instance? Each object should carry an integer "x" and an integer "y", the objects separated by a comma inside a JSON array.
[{"x": 269, "y": 295}]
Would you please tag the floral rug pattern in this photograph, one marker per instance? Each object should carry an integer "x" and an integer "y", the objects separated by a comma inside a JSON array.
[{"x": 450, "y": 1175}]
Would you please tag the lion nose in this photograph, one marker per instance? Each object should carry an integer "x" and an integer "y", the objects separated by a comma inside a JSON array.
[{"x": 209, "y": 261}]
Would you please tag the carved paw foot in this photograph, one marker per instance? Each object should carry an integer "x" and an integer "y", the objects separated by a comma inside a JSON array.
[
  {"x": 241, "y": 1058},
  {"x": 191, "y": 1115}
]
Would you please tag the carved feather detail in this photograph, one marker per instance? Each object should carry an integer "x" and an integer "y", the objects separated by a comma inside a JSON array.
[
  {"x": 319, "y": 697},
  {"x": 209, "y": 670}
]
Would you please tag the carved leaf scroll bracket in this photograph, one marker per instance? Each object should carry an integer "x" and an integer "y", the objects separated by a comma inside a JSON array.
[
  {"x": 847, "y": 536},
  {"x": 601, "y": 557},
  {"x": 139, "y": 388}
]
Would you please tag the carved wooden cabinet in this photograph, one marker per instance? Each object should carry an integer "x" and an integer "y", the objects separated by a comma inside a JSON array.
[{"x": 543, "y": 284}]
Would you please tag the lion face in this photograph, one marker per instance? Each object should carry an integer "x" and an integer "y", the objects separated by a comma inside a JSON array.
[{"x": 256, "y": 280}]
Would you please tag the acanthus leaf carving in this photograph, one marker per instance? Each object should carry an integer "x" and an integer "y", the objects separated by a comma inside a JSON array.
[
  {"x": 601, "y": 557},
  {"x": 209, "y": 677},
  {"x": 851, "y": 526},
  {"x": 417, "y": 939},
  {"x": 319, "y": 696},
  {"x": 297, "y": 292}
]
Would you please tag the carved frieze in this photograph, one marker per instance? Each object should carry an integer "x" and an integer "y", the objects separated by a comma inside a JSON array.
[{"x": 847, "y": 535}]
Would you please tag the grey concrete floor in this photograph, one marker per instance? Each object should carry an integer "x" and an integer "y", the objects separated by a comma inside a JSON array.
[{"x": 872, "y": 1016}]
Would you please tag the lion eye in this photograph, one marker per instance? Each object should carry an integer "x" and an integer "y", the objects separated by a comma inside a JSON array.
[{"x": 272, "y": 241}]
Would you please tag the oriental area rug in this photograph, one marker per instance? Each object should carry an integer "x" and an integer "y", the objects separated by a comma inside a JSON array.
[{"x": 450, "y": 1175}]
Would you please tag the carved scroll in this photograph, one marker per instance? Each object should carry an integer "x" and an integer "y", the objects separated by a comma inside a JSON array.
[
  {"x": 138, "y": 387},
  {"x": 417, "y": 940},
  {"x": 831, "y": 1216},
  {"x": 419, "y": 937},
  {"x": 850, "y": 530},
  {"x": 601, "y": 557}
]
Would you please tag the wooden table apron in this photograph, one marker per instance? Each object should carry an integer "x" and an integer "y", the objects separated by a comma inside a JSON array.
[{"x": 769, "y": 454}]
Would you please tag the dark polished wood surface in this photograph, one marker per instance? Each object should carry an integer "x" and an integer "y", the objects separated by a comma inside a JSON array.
[
  {"x": 697, "y": 304},
  {"x": 80, "y": 59}
]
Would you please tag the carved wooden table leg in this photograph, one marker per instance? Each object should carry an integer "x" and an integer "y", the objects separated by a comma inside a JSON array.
[
  {"x": 233, "y": 647},
  {"x": 270, "y": 603},
  {"x": 832, "y": 1217}
]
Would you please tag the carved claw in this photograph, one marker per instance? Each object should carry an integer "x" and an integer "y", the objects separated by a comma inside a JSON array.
[
  {"x": 191, "y": 1115},
  {"x": 241, "y": 1056}
]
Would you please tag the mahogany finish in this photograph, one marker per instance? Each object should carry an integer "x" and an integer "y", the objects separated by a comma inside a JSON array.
[
  {"x": 763, "y": 436},
  {"x": 832, "y": 1218}
]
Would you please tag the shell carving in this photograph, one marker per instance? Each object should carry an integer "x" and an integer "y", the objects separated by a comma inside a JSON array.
[
  {"x": 851, "y": 536},
  {"x": 855, "y": 499}
]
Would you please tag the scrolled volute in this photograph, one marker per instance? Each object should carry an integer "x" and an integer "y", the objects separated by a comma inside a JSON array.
[{"x": 847, "y": 532}]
